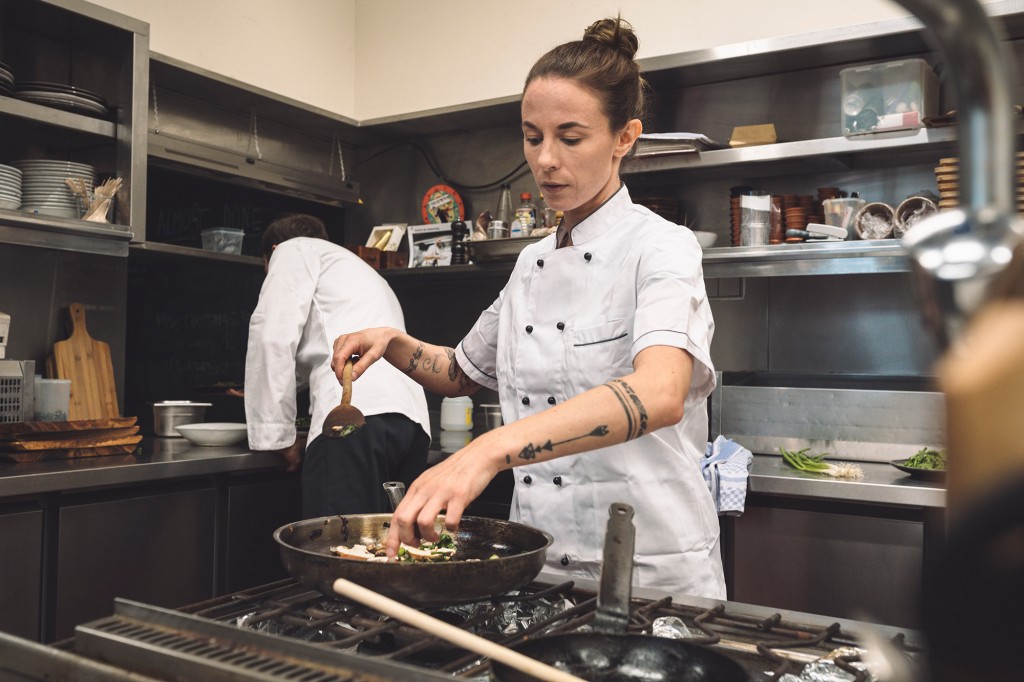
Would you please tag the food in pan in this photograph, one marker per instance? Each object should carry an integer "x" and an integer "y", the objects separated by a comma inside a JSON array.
[
  {"x": 926, "y": 458},
  {"x": 442, "y": 550}
]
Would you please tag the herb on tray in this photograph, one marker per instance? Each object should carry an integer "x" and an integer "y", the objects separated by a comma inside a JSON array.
[
  {"x": 926, "y": 458},
  {"x": 801, "y": 461}
]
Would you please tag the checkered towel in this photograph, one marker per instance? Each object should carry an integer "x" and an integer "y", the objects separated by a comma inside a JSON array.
[{"x": 725, "y": 465}]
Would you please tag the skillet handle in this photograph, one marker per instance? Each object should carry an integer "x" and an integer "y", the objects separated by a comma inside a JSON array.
[
  {"x": 612, "y": 615},
  {"x": 395, "y": 491}
]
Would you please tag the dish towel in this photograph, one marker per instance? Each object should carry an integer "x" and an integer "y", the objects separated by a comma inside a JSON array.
[{"x": 725, "y": 466}]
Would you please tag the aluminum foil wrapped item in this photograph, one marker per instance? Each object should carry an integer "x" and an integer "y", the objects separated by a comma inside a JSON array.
[
  {"x": 671, "y": 627},
  {"x": 826, "y": 670}
]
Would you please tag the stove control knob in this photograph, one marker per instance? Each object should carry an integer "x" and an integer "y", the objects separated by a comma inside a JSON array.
[{"x": 565, "y": 560}]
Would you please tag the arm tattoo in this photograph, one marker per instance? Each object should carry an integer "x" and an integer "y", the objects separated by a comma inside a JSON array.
[
  {"x": 636, "y": 413},
  {"x": 414, "y": 360},
  {"x": 455, "y": 373},
  {"x": 531, "y": 450},
  {"x": 432, "y": 364}
]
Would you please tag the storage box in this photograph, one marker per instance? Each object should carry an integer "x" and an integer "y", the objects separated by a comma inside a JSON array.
[
  {"x": 223, "y": 240},
  {"x": 895, "y": 95}
]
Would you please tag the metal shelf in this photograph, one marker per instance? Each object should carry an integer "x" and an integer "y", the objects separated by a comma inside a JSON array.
[
  {"x": 29, "y": 229},
  {"x": 66, "y": 120},
  {"x": 923, "y": 139},
  {"x": 827, "y": 258},
  {"x": 192, "y": 252}
]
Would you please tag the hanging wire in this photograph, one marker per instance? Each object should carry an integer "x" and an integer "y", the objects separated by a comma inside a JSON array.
[
  {"x": 336, "y": 144},
  {"x": 156, "y": 110},
  {"x": 515, "y": 172},
  {"x": 254, "y": 135}
]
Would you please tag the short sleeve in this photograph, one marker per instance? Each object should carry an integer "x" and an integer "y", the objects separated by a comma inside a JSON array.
[
  {"x": 672, "y": 305},
  {"x": 477, "y": 353}
]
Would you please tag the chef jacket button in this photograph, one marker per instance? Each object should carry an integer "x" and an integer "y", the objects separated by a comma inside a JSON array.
[
  {"x": 526, "y": 400},
  {"x": 565, "y": 560},
  {"x": 529, "y": 329},
  {"x": 557, "y": 480},
  {"x": 527, "y": 479},
  {"x": 540, "y": 262},
  {"x": 551, "y": 400},
  {"x": 560, "y": 326},
  {"x": 587, "y": 256}
]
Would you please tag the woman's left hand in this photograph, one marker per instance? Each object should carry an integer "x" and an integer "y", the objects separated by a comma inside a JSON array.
[{"x": 447, "y": 487}]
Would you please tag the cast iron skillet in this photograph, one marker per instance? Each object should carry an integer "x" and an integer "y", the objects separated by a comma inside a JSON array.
[
  {"x": 305, "y": 551},
  {"x": 609, "y": 654}
]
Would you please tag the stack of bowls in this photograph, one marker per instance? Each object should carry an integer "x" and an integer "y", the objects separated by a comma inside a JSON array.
[
  {"x": 10, "y": 187},
  {"x": 44, "y": 191}
]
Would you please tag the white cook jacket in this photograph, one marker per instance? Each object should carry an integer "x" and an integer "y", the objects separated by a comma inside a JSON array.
[
  {"x": 574, "y": 318},
  {"x": 314, "y": 292}
]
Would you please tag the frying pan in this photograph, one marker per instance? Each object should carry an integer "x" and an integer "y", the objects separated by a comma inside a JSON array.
[
  {"x": 305, "y": 552},
  {"x": 609, "y": 653}
]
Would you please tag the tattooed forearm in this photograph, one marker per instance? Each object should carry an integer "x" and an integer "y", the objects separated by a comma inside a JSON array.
[
  {"x": 433, "y": 364},
  {"x": 414, "y": 361},
  {"x": 636, "y": 413},
  {"x": 531, "y": 450}
]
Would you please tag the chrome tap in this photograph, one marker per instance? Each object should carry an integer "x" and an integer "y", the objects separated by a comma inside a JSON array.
[{"x": 955, "y": 254}]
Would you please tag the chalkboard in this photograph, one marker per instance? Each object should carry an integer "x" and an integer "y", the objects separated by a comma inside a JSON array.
[{"x": 180, "y": 206}]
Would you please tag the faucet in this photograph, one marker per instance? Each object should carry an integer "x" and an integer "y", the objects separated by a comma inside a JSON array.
[{"x": 956, "y": 254}]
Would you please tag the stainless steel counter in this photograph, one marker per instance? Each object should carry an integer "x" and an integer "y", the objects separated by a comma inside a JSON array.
[
  {"x": 169, "y": 459},
  {"x": 161, "y": 459},
  {"x": 882, "y": 484}
]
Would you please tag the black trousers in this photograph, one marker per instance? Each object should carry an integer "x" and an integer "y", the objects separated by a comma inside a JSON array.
[{"x": 346, "y": 475}]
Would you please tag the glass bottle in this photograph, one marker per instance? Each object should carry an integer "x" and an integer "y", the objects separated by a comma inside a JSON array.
[
  {"x": 504, "y": 213},
  {"x": 545, "y": 214},
  {"x": 526, "y": 216}
]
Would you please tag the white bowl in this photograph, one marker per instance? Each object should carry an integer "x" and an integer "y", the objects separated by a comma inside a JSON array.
[
  {"x": 705, "y": 239},
  {"x": 213, "y": 433}
]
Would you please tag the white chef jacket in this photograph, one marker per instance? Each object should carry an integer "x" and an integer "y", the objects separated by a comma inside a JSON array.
[
  {"x": 574, "y": 318},
  {"x": 314, "y": 292}
]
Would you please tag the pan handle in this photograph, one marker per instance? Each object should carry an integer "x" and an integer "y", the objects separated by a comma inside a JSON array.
[
  {"x": 395, "y": 491},
  {"x": 612, "y": 615}
]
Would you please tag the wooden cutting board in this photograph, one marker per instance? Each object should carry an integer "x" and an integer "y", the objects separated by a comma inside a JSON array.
[
  {"x": 80, "y": 439},
  {"x": 86, "y": 362},
  {"x": 41, "y": 455},
  {"x": 13, "y": 430}
]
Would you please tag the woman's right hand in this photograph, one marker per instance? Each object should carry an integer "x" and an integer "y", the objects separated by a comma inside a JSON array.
[{"x": 369, "y": 344}]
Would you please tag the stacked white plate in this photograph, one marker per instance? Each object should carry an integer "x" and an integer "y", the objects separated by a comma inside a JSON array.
[
  {"x": 10, "y": 187},
  {"x": 6, "y": 80},
  {"x": 44, "y": 191},
  {"x": 67, "y": 97}
]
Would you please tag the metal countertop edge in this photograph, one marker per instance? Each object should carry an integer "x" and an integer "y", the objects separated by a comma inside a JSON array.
[{"x": 767, "y": 477}]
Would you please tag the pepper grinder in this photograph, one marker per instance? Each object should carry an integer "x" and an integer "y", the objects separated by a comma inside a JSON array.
[{"x": 460, "y": 252}]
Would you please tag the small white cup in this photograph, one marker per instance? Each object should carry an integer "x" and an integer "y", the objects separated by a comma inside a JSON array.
[{"x": 52, "y": 399}]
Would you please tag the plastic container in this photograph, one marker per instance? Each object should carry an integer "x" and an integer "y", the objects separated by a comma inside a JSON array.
[
  {"x": 526, "y": 216},
  {"x": 52, "y": 399},
  {"x": 223, "y": 240},
  {"x": 840, "y": 213},
  {"x": 457, "y": 414},
  {"x": 896, "y": 95}
]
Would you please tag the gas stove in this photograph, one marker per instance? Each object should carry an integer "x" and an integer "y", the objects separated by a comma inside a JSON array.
[{"x": 285, "y": 631}]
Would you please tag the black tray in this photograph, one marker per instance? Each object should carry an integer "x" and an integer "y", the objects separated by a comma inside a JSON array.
[{"x": 924, "y": 474}]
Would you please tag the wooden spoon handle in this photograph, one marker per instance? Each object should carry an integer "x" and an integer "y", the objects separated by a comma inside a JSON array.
[
  {"x": 450, "y": 633},
  {"x": 346, "y": 383}
]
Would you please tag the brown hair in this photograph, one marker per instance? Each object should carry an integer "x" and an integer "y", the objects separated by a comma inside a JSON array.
[
  {"x": 603, "y": 61},
  {"x": 290, "y": 226}
]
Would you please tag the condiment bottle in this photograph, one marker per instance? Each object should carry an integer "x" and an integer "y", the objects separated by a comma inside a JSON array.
[
  {"x": 504, "y": 213},
  {"x": 460, "y": 252},
  {"x": 526, "y": 216}
]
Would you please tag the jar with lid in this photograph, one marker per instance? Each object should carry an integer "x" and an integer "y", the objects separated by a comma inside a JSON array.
[
  {"x": 526, "y": 216},
  {"x": 457, "y": 414}
]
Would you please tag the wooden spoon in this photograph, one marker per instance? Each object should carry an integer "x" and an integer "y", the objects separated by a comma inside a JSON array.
[
  {"x": 344, "y": 419},
  {"x": 450, "y": 633}
]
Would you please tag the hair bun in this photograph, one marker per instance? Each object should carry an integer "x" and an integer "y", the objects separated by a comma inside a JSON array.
[{"x": 615, "y": 33}]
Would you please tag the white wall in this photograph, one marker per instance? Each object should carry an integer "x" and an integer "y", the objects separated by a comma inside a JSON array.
[
  {"x": 415, "y": 55},
  {"x": 369, "y": 59},
  {"x": 302, "y": 49}
]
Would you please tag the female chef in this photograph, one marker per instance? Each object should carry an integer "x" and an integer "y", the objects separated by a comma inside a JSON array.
[{"x": 598, "y": 346}]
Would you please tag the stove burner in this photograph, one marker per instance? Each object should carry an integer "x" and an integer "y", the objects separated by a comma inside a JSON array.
[{"x": 768, "y": 647}]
